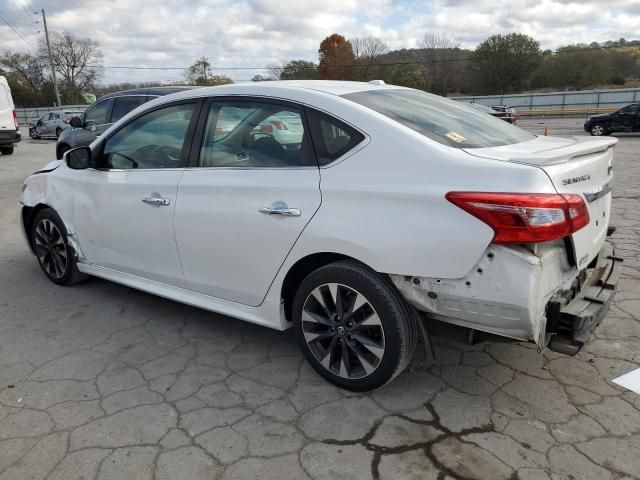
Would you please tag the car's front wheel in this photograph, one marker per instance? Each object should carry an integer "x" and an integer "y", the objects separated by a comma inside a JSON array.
[
  {"x": 598, "y": 130},
  {"x": 51, "y": 246},
  {"x": 353, "y": 326}
]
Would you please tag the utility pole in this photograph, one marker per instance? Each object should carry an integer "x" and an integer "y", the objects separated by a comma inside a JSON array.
[{"x": 53, "y": 67}]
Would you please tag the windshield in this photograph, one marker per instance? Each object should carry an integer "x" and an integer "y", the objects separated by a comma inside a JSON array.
[{"x": 445, "y": 121}]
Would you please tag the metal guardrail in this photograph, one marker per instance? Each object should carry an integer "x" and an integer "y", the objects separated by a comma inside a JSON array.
[
  {"x": 561, "y": 103},
  {"x": 26, "y": 115}
]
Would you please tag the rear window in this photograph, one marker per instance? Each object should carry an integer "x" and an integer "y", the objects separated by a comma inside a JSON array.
[{"x": 445, "y": 121}]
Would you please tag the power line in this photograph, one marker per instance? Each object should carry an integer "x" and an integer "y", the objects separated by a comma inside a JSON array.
[{"x": 16, "y": 31}]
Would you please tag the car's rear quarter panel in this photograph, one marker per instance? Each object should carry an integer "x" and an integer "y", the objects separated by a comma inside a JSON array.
[{"x": 384, "y": 205}]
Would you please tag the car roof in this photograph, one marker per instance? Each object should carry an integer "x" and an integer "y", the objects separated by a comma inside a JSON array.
[
  {"x": 153, "y": 91},
  {"x": 333, "y": 87}
]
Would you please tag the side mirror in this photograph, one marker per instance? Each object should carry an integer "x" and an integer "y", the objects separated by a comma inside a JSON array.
[
  {"x": 75, "y": 122},
  {"x": 78, "y": 158}
]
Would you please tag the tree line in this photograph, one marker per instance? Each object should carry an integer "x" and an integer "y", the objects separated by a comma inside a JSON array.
[
  {"x": 501, "y": 64},
  {"x": 507, "y": 63}
]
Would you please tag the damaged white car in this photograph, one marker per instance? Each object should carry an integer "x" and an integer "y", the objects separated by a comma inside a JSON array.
[{"x": 384, "y": 205}]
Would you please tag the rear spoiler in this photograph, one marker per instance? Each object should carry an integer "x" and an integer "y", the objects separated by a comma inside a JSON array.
[{"x": 561, "y": 154}]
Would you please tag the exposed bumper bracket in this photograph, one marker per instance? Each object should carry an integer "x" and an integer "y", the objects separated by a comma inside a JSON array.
[{"x": 572, "y": 323}]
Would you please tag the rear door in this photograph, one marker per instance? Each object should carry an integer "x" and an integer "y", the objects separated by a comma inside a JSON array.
[{"x": 248, "y": 197}]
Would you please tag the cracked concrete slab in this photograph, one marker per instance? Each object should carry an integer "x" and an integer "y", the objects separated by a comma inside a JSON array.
[{"x": 102, "y": 382}]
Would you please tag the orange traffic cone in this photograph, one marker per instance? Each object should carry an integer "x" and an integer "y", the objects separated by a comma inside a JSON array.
[{"x": 546, "y": 130}]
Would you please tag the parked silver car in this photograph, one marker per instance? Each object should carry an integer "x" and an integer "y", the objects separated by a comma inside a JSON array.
[{"x": 52, "y": 124}]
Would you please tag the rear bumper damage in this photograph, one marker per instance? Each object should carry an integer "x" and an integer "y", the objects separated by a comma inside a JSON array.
[
  {"x": 529, "y": 294},
  {"x": 573, "y": 316}
]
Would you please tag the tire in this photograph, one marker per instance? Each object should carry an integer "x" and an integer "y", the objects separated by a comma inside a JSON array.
[
  {"x": 6, "y": 150},
  {"x": 598, "y": 130},
  {"x": 334, "y": 345},
  {"x": 58, "y": 132},
  {"x": 50, "y": 243}
]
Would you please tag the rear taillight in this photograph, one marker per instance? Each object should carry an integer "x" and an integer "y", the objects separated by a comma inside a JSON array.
[
  {"x": 525, "y": 217},
  {"x": 66, "y": 120},
  {"x": 15, "y": 121},
  {"x": 266, "y": 128}
]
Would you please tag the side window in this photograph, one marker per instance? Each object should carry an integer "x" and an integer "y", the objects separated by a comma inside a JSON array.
[
  {"x": 332, "y": 138},
  {"x": 55, "y": 116},
  {"x": 124, "y": 105},
  {"x": 154, "y": 140},
  {"x": 97, "y": 114},
  {"x": 255, "y": 135},
  {"x": 50, "y": 117}
]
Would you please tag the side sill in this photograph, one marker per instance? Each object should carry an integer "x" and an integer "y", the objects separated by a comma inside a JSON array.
[{"x": 206, "y": 302}]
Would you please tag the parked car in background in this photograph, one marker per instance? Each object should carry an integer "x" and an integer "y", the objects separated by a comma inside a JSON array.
[
  {"x": 508, "y": 114},
  {"x": 627, "y": 119},
  {"x": 52, "y": 124},
  {"x": 484, "y": 109},
  {"x": 106, "y": 110},
  {"x": 350, "y": 234},
  {"x": 9, "y": 128}
]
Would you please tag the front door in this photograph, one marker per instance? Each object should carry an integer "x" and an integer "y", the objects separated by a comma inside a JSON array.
[
  {"x": 625, "y": 118},
  {"x": 253, "y": 189},
  {"x": 124, "y": 209}
]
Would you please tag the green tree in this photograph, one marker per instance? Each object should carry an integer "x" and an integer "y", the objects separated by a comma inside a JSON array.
[
  {"x": 299, "y": 70},
  {"x": 337, "y": 60},
  {"x": 200, "y": 73},
  {"x": 504, "y": 63},
  {"x": 407, "y": 75},
  {"x": 30, "y": 86}
]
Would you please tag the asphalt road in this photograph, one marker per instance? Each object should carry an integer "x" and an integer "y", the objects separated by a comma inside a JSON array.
[{"x": 99, "y": 381}]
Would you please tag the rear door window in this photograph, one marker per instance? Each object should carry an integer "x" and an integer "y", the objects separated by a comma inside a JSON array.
[
  {"x": 445, "y": 121},
  {"x": 124, "y": 105}
]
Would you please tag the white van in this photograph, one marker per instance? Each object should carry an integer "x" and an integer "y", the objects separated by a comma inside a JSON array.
[{"x": 9, "y": 129}]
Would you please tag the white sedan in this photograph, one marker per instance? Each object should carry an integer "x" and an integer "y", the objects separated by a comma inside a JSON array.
[{"x": 391, "y": 205}]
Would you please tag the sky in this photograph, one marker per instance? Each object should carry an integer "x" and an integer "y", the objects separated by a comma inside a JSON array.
[{"x": 239, "y": 34}]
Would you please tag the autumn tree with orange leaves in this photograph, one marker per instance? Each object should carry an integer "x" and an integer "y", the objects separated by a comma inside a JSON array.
[{"x": 337, "y": 61}]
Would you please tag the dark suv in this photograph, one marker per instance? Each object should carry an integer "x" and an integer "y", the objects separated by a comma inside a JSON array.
[
  {"x": 626, "y": 119},
  {"x": 103, "y": 112}
]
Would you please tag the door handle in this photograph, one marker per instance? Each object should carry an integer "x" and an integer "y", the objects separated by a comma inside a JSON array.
[
  {"x": 284, "y": 211},
  {"x": 156, "y": 201}
]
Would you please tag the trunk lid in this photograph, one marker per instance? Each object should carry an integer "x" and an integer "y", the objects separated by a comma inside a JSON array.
[{"x": 580, "y": 165}]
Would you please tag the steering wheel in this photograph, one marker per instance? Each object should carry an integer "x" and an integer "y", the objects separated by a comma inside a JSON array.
[{"x": 166, "y": 154}]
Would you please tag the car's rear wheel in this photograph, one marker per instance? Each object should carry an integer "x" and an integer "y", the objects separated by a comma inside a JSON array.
[
  {"x": 58, "y": 132},
  {"x": 6, "y": 150},
  {"x": 598, "y": 130},
  {"x": 51, "y": 246},
  {"x": 353, "y": 326}
]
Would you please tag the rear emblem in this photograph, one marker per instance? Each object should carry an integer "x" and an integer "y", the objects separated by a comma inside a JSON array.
[{"x": 581, "y": 178}]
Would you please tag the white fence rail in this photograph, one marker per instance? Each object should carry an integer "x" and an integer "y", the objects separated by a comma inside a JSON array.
[
  {"x": 26, "y": 115},
  {"x": 582, "y": 102}
]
